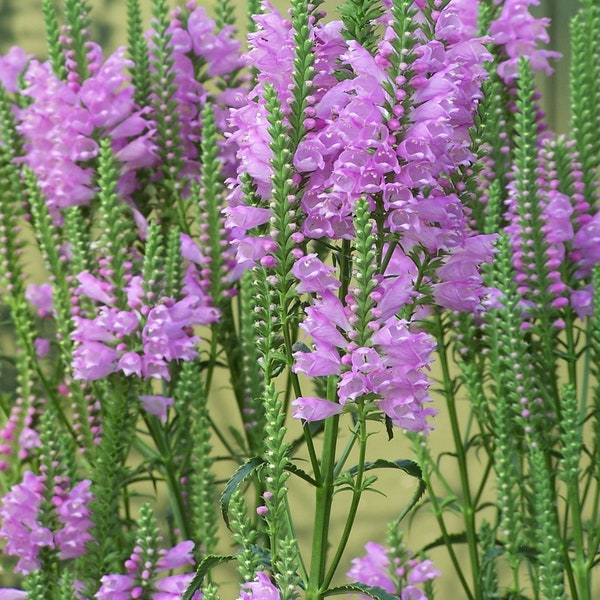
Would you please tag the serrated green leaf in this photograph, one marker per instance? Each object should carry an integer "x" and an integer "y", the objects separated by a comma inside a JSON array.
[
  {"x": 209, "y": 562},
  {"x": 410, "y": 467},
  {"x": 372, "y": 591},
  {"x": 247, "y": 469},
  {"x": 292, "y": 468}
]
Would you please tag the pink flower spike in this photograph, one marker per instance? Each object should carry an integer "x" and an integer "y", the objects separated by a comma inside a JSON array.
[
  {"x": 12, "y": 594},
  {"x": 190, "y": 250},
  {"x": 423, "y": 571},
  {"x": 178, "y": 556},
  {"x": 40, "y": 296},
  {"x": 314, "y": 409},
  {"x": 156, "y": 405},
  {"x": 95, "y": 288},
  {"x": 260, "y": 589}
]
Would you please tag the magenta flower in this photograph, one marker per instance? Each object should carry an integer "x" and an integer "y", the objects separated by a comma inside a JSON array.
[
  {"x": 373, "y": 568},
  {"x": 73, "y": 512},
  {"x": 145, "y": 576},
  {"x": 12, "y": 594},
  {"x": 40, "y": 296},
  {"x": 156, "y": 405},
  {"x": 94, "y": 360},
  {"x": 519, "y": 32},
  {"x": 12, "y": 65},
  {"x": 314, "y": 409},
  {"x": 20, "y": 527},
  {"x": 376, "y": 569},
  {"x": 260, "y": 589}
]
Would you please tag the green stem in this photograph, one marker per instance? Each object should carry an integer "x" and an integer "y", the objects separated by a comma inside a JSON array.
[
  {"x": 427, "y": 463},
  {"x": 468, "y": 508},
  {"x": 173, "y": 487},
  {"x": 356, "y": 496},
  {"x": 579, "y": 566},
  {"x": 324, "y": 500}
]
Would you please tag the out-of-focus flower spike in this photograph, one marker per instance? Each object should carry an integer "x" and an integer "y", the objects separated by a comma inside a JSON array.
[
  {"x": 209, "y": 198},
  {"x": 585, "y": 93},
  {"x": 403, "y": 25},
  {"x": 364, "y": 273},
  {"x": 165, "y": 108},
  {"x": 18, "y": 439},
  {"x": 78, "y": 245},
  {"x": 224, "y": 13},
  {"x": 107, "y": 474},
  {"x": 67, "y": 586},
  {"x": 360, "y": 20},
  {"x": 251, "y": 386},
  {"x": 525, "y": 205},
  {"x": 245, "y": 535},
  {"x": 35, "y": 586},
  {"x": 116, "y": 234},
  {"x": 194, "y": 431},
  {"x": 254, "y": 7},
  {"x": 285, "y": 214},
  {"x": 493, "y": 155},
  {"x": 173, "y": 266},
  {"x": 79, "y": 51},
  {"x": 55, "y": 50},
  {"x": 548, "y": 540},
  {"x": 138, "y": 52},
  {"x": 152, "y": 279},
  {"x": 11, "y": 205},
  {"x": 303, "y": 14}
]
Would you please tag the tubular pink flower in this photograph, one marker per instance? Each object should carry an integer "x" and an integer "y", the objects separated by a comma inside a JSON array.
[
  {"x": 260, "y": 589},
  {"x": 314, "y": 409}
]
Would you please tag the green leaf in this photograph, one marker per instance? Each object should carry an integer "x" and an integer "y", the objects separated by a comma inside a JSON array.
[
  {"x": 452, "y": 538},
  {"x": 292, "y": 468},
  {"x": 410, "y": 467},
  {"x": 371, "y": 591},
  {"x": 245, "y": 471},
  {"x": 209, "y": 562}
]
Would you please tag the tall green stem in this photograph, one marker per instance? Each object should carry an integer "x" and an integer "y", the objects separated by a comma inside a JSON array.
[
  {"x": 324, "y": 498},
  {"x": 468, "y": 508}
]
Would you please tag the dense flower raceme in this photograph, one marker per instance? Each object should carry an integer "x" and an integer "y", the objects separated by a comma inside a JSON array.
[
  {"x": 59, "y": 124},
  {"x": 390, "y": 368},
  {"x": 143, "y": 577},
  {"x": 142, "y": 338},
  {"x": 199, "y": 54},
  {"x": 568, "y": 228},
  {"x": 356, "y": 145},
  {"x": 377, "y": 569},
  {"x": 62, "y": 121},
  {"x": 25, "y": 535}
]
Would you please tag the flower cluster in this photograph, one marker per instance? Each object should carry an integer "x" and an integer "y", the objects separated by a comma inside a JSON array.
[
  {"x": 377, "y": 569},
  {"x": 142, "y": 577},
  {"x": 518, "y": 32},
  {"x": 141, "y": 341},
  {"x": 389, "y": 370},
  {"x": 24, "y": 533},
  {"x": 199, "y": 54},
  {"x": 260, "y": 589},
  {"x": 394, "y": 137},
  {"x": 61, "y": 123}
]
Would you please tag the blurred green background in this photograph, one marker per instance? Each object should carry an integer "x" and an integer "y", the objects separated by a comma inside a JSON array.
[{"x": 21, "y": 23}]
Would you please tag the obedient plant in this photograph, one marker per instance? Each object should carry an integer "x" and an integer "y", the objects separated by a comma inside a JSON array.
[{"x": 361, "y": 227}]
